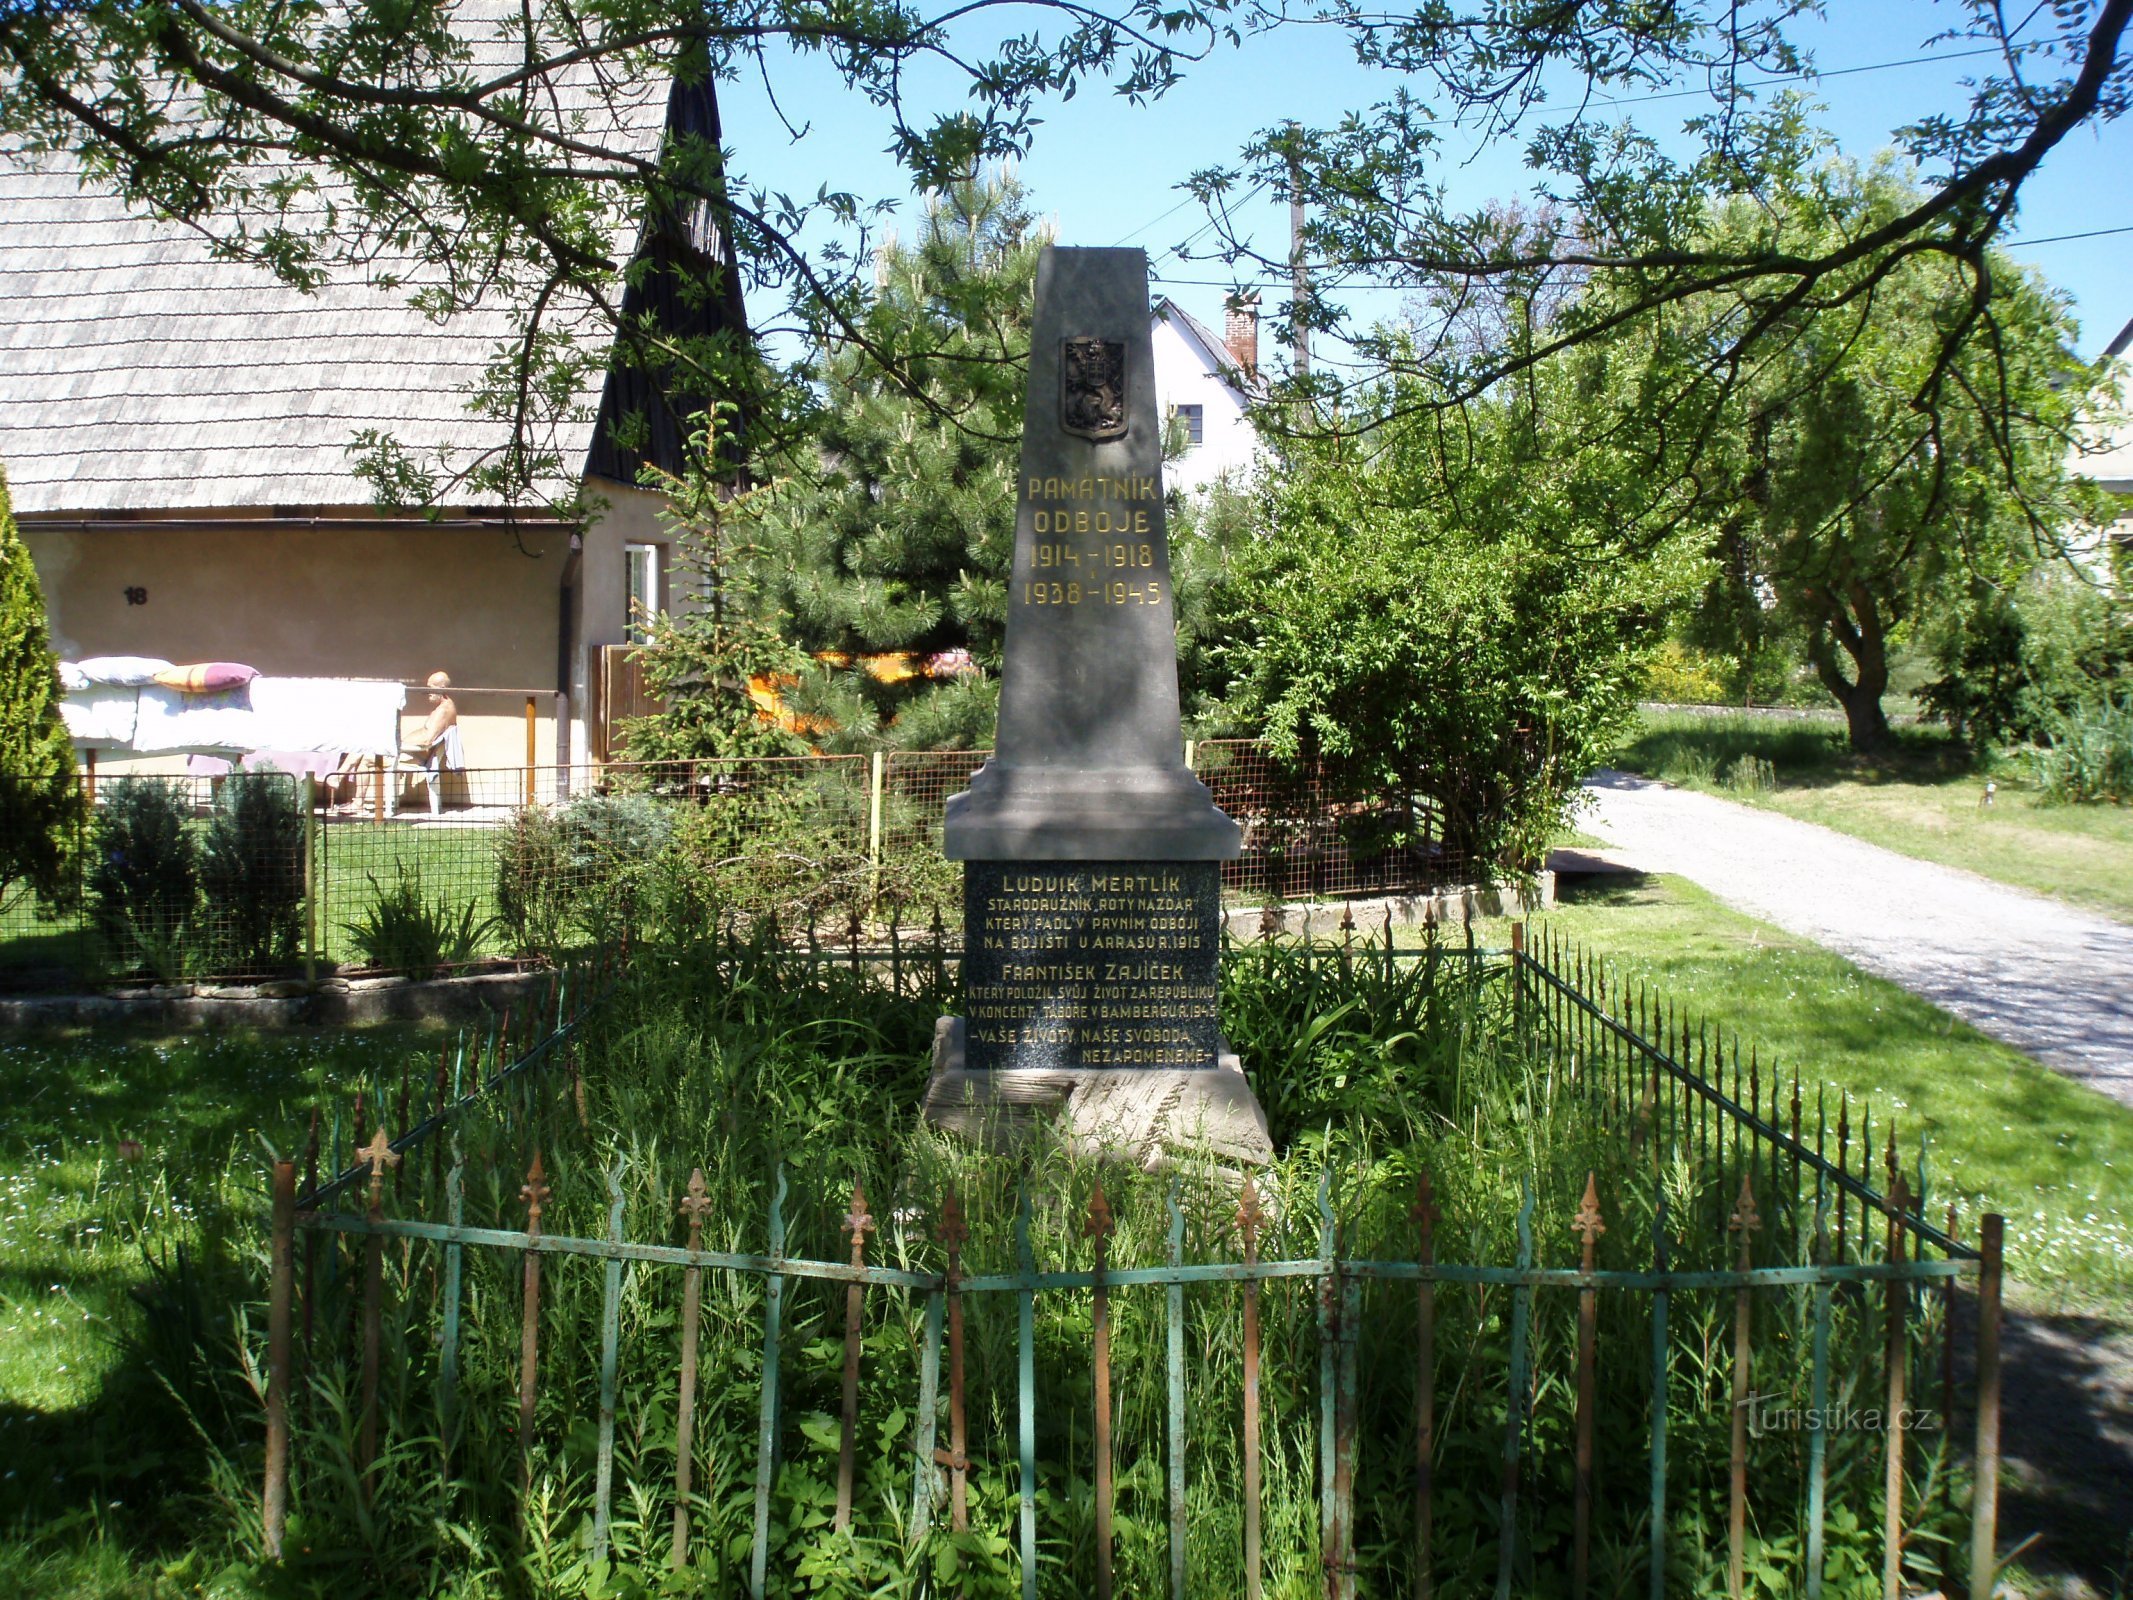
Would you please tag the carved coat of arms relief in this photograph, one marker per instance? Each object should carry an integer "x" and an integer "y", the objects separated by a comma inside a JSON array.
[{"x": 1092, "y": 401}]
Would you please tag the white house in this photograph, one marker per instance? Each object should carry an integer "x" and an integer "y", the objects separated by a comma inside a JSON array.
[
  {"x": 1207, "y": 382},
  {"x": 2112, "y": 464}
]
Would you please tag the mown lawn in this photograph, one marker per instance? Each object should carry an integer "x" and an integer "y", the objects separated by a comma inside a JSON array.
[
  {"x": 1922, "y": 799},
  {"x": 2054, "y": 1156}
]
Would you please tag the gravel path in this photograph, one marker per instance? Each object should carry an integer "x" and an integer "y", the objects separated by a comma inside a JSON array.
[{"x": 2051, "y": 980}]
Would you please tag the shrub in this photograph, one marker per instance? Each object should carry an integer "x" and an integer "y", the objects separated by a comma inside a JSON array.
[
  {"x": 2090, "y": 756},
  {"x": 531, "y": 882},
  {"x": 1684, "y": 675},
  {"x": 252, "y": 871},
  {"x": 146, "y": 874},
  {"x": 788, "y": 851},
  {"x": 41, "y": 813},
  {"x": 1751, "y": 774},
  {"x": 607, "y": 844},
  {"x": 401, "y": 929}
]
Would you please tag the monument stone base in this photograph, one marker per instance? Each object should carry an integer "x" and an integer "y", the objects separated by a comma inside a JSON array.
[{"x": 1151, "y": 1116}]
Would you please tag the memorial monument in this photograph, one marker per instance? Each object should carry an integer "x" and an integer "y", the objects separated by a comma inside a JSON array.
[{"x": 1092, "y": 877}]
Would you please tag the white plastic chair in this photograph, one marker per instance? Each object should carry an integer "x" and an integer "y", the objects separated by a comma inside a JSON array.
[{"x": 448, "y": 754}]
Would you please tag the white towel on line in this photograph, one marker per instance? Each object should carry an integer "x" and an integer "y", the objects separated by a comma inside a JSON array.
[{"x": 360, "y": 716}]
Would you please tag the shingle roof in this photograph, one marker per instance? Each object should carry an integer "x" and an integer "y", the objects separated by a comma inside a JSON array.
[{"x": 139, "y": 372}]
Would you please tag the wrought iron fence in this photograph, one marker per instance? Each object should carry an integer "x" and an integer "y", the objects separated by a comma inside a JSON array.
[{"x": 1736, "y": 1261}]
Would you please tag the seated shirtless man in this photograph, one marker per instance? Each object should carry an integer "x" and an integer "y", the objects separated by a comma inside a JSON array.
[{"x": 443, "y": 714}]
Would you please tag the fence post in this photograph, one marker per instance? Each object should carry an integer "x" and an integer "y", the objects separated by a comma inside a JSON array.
[
  {"x": 858, "y": 1224},
  {"x": 1899, "y": 1356},
  {"x": 530, "y": 746},
  {"x": 310, "y": 818},
  {"x": 1175, "y": 1298},
  {"x": 1098, "y": 1228},
  {"x": 1425, "y": 1214},
  {"x": 1515, "y": 1412},
  {"x": 694, "y": 1207},
  {"x": 1337, "y": 1312},
  {"x": 610, "y": 1348},
  {"x": 766, "y": 1445},
  {"x": 377, "y": 1155},
  {"x": 1249, "y": 1216},
  {"x": 1744, "y": 1222},
  {"x": 1588, "y": 1228},
  {"x": 877, "y": 781},
  {"x": 1659, "y": 1375},
  {"x": 1985, "y": 1496},
  {"x": 535, "y": 1194},
  {"x": 1026, "y": 1393},
  {"x": 276, "y": 1495},
  {"x": 1518, "y": 980}
]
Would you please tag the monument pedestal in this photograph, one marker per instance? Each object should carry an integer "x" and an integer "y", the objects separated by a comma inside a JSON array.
[{"x": 1151, "y": 1116}]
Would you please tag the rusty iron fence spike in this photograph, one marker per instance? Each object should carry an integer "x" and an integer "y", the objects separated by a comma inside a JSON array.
[
  {"x": 1098, "y": 1230},
  {"x": 1588, "y": 1226},
  {"x": 274, "y": 1497},
  {"x": 858, "y": 1223},
  {"x": 695, "y": 1204}
]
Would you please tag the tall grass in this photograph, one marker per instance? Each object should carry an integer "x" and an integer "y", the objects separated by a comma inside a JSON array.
[{"x": 754, "y": 1064}]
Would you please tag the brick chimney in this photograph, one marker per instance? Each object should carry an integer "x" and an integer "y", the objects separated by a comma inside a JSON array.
[{"x": 1240, "y": 331}]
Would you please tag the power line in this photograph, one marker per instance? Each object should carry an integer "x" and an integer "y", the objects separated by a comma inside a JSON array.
[{"x": 2061, "y": 238}]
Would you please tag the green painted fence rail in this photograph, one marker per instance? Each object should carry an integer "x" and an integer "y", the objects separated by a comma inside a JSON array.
[{"x": 1339, "y": 1280}]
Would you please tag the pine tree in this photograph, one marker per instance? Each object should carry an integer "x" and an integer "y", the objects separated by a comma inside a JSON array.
[
  {"x": 898, "y": 536},
  {"x": 41, "y": 814}
]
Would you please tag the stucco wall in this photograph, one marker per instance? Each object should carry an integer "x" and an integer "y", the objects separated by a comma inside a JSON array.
[
  {"x": 369, "y": 602},
  {"x": 1183, "y": 377},
  {"x": 631, "y": 517}
]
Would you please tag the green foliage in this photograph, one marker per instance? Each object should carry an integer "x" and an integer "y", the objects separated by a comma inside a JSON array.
[
  {"x": 41, "y": 812},
  {"x": 792, "y": 851},
  {"x": 607, "y": 845},
  {"x": 145, "y": 880},
  {"x": 1902, "y": 446},
  {"x": 2090, "y": 754},
  {"x": 532, "y": 899},
  {"x": 767, "y": 1071},
  {"x": 2016, "y": 659},
  {"x": 1682, "y": 675},
  {"x": 1453, "y": 618},
  {"x": 701, "y": 659},
  {"x": 403, "y": 930},
  {"x": 899, "y": 528},
  {"x": 252, "y": 872}
]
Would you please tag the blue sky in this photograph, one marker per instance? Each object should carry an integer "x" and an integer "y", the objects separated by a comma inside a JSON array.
[{"x": 1108, "y": 171}]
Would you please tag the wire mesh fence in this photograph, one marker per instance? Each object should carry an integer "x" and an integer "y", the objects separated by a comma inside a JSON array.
[
  {"x": 1302, "y": 842},
  {"x": 382, "y": 867}
]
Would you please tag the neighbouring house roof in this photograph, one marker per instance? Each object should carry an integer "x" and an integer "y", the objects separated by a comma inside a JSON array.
[
  {"x": 1218, "y": 355},
  {"x": 139, "y": 372}
]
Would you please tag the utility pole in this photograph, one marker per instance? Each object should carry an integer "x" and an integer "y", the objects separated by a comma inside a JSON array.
[{"x": 1299, "y": 278}]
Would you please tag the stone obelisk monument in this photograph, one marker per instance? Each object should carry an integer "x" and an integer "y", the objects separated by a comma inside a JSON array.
[{"x": 1092, "y": 877}]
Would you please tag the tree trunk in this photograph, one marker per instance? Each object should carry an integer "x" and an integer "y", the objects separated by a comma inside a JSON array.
[{"x": 1860, "y": 632}]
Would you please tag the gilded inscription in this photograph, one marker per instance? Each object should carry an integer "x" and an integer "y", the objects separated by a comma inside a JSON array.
[
  {"x": 1093, "y": 544},
  {"x": 1098, "y": 965}
]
